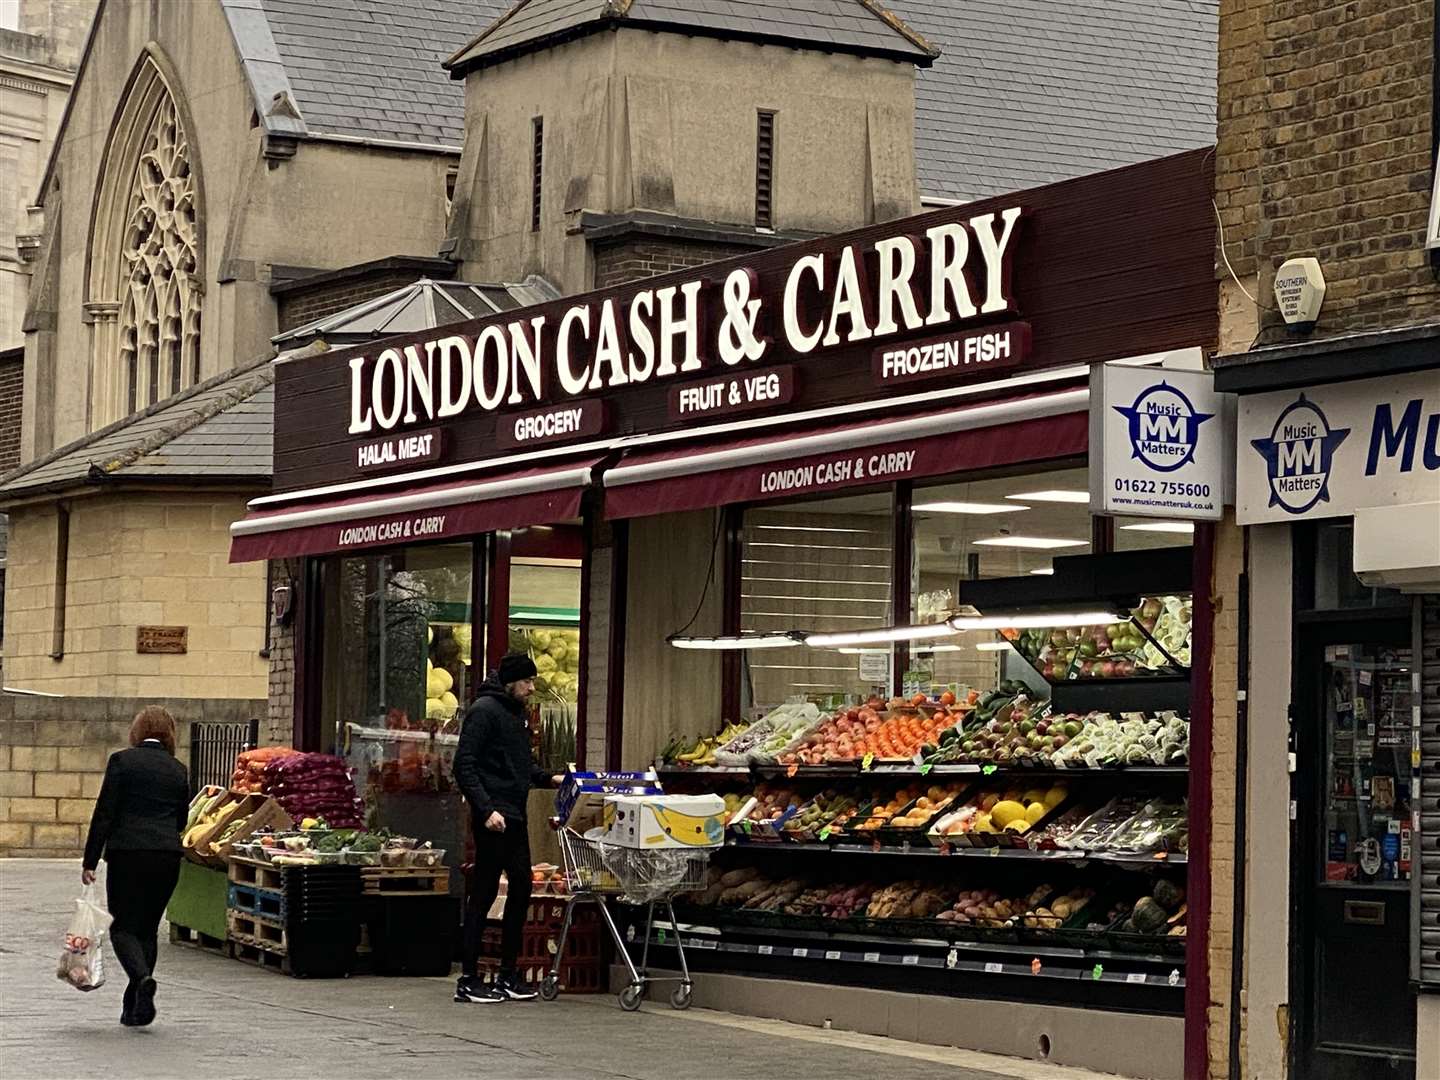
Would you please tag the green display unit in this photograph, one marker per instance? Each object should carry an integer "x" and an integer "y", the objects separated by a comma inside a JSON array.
[{"x": 199, "y": 900}]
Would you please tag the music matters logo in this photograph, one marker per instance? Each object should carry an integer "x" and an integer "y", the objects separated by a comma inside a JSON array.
[
  {"x": 1299, "y": 455},
  {"x": 1164, "y": 427}
]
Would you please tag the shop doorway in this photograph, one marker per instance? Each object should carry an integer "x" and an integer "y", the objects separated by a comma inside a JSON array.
[{"x": 1354, "y": 1012}]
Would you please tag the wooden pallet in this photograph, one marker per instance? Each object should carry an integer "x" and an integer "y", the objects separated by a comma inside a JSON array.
[
  {"x": 258, "y": 956},
  {"x": 257, "y": 875},
  {"x": 252, "y": 930},
  {"x": 261, "y": 903},
  {"x": 404, "y": 880},
  {"x": 184, "y": 935}
]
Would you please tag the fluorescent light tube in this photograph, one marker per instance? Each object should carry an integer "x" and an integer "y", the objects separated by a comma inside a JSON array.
[
  {"x": 1162, "y": 527},
  {"x": 737, "y": 641},
  {"x": 1034, "y": 543},
  {"x": 1055, "y": 495},
  {"x": 992, "y": 646},
  {"x": 1035, "y": 620},
  {"x": 874, "y": 637},
  {"x": 969, "y": 508},
  {"x": 1046, "y": 572}
]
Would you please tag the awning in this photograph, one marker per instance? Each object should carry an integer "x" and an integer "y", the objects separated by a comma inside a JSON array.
[
  {"x": 415, "y": 515},
  {"x": 1038, "y": 428}
]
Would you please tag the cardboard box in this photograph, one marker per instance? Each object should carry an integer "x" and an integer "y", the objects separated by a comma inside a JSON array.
[
  {"x": 665, "y": 821},
  {"x": 580, "y": 802},
  {"x": 257, "y": 811}
]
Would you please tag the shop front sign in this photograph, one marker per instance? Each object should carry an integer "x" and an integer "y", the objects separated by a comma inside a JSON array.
[
  {"x": 1327, "y": 451},
  {"x": 957, "y": 295},
  {"x": 1160, "y": 443},
  {"x": 400, "y": 451}
]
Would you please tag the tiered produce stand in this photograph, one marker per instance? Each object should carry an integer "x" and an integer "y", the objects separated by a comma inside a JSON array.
[{"x": 1003, "y": 842}]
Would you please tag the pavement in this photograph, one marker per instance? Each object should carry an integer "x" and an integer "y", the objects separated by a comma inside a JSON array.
[{"x": 221, "y": 1018}]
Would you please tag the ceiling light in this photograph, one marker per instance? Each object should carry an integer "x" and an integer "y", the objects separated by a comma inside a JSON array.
[
  {"x": 940, "y": 648},
  {"x": 968, "y": 508},
  {"x": 992, "y": 646},
  {"x": 1044, "y": 571},
  {"x": 1034, "y": 620},
  {"x": 1055, "y": 495},
  {"x": 1037, "y": 543},
  {"x": 875, "y": 637},
  {"x": 737, "y": 641},
  {"x": 1162, "y": 527},
  {"x": 864, "y": 652}
]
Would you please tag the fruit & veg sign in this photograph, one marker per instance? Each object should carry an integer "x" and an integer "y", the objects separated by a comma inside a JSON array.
[
  {"x": 1327, "y": 451},
  {"x": 1159, "y": 443}
]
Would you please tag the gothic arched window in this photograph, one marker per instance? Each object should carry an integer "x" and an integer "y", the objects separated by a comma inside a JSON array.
[{"x": 146, "y": 275}]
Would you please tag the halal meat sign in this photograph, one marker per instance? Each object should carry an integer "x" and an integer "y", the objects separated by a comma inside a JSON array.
[{"x": 876, "y": 293}]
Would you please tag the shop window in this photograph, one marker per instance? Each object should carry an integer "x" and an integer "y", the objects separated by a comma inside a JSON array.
[
  {"x": 990, "y": 528},
  {"x": 819, "y": 566},
  {"x": 1336, "y": 586},
  {"x": 398, "y": 640},
  {"x": 545, "y": 622},
  {"x": 1143, "y": 534}
]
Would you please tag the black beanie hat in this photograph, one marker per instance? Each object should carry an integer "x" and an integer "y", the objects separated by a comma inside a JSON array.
[{"x": 514, "y": 667}]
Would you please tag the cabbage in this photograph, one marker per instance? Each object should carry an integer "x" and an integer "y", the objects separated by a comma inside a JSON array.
[
  {"x": 449, "y": 702},
  {"x": 558, "y": 650},
  {"x": 462, "y": 637},
  {"x": 438, "y": 682},
  {"x": 435, "y": 709},
  {"x": 544, "y": 664},
  {"x": 541, "y": 639}
]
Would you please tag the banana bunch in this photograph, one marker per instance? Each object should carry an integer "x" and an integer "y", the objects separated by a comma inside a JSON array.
[{"x": 703, "y": 752}]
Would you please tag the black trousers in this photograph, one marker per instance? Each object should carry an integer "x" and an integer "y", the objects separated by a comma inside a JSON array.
[
  {"x": 138, "y": 885},
  {"x": 508, "y": 851}
]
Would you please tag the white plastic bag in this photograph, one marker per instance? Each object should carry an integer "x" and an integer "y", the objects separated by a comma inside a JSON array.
[{"x": 82, "y": 958}]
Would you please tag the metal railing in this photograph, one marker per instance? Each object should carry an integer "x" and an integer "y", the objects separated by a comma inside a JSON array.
[{"x": 214, "y": 748}]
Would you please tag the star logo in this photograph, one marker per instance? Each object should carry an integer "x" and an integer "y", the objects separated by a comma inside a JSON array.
[
  {"x": 1299, "y": 456},
  {"x": 1164, "y": 427}
]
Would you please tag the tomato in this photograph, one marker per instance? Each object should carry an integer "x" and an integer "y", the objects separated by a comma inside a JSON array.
[
  {"x": 917, "y": 700},
  {"x": 947, "y": 698}
]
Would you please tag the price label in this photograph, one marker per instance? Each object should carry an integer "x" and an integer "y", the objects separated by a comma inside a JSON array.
[
  {"x": 910, "y": 960},
  {"x": 832, "y": 954},
  {"x": 825, "y": 833},
  {"x": 765, "y": 950},
  {"x": 944, "y": 847},
  {"x": 703, "y": 943},
  {"x": 872, "y": 958},
  {"x": 1035, "y": 966},
  {"x": 994, "y": 851},
  {"x": 660, "y": 936},
  {"x": 1135, "y": 977},
  {"x": 875, "y": 846},
  {"x": 1174, "y": 978},
  {"x": 952, "y": 958},
  {"x": 987, "y": 769},
  {"x": 924, "y": 769},
  {"x": 992, "y": 968},
  {"x": 868, "y": 760},
  {"x": 800, "y": 954},
  {"x": 1097, "y": 972},
  {"x": 1161, "y": 856},
  {"x": 792, "y": 769}
]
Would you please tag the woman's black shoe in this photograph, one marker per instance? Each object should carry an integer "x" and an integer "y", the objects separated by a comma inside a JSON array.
[{"x": 143, "y": 1014}]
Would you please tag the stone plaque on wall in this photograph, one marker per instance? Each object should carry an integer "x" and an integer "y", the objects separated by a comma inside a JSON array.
[{"x": 161, "y": 639}]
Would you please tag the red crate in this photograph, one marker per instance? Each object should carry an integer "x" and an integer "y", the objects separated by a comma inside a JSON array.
[{"x": 538, "y": 944}]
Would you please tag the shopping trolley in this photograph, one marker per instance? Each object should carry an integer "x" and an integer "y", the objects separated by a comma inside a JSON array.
[{"x": 595, "y": 870}]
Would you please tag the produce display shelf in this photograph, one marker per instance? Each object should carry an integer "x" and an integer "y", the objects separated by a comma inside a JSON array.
[
  {"x": 805, "y": 772},
  {"x": 1061, "y": 963},
  {"x": 923, "y": 848}
]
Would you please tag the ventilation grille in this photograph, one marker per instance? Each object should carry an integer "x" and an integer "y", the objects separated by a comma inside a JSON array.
[
  {"x": 765, "y": 170},
  {"x": 537, "y": 166}
]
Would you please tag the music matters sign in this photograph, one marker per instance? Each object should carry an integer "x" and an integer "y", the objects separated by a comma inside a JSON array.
[{"x": 950, "y": 275}]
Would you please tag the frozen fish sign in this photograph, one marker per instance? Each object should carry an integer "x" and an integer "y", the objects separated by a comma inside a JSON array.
[
  {"x": 1327, "y": 451},
  {"x": 864, "y": 293}
]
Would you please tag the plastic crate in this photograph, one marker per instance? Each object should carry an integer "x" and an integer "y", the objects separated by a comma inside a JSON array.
[
  {"x": 413, "y": 935},
  {"x": 539, "y": 944}
]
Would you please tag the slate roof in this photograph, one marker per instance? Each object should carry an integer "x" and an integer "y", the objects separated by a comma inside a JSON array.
[
  {"x": 358, "y": 68},
  {"x": 421, "y": 305},
  {"x": 1029, "y": 92},
  {"x": 218, "y": 430},
  {"x": 850, "y": 26}
]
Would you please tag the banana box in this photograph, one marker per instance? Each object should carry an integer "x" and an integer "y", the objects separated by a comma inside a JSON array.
[
  {"x": 650, "y": 822},
  {"x": 581, "y": 799}
]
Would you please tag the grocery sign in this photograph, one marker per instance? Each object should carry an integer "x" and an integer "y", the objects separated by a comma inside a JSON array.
[
  {"x": 1327, "y": 451},
  {"x": 1159, "y": 443}
]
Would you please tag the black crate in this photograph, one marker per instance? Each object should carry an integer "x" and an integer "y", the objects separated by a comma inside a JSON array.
[{"x": 413, "y": 935}]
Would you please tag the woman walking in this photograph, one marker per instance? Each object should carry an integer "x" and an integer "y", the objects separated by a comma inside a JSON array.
[{"x": 136, "y": 825}]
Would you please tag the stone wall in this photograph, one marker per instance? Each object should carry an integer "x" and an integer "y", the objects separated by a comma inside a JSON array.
[
  {"x": 154, "y": 560},
  {"x": 52, "y": 759},
  {"x": 1324, "y": 149}
]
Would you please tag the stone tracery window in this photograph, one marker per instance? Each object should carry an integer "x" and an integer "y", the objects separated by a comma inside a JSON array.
[{"x": 146, "y": 259}]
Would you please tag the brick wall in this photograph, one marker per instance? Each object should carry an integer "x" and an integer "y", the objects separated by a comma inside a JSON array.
[
  {"x": 52, "y": 759},
  {"x": 630, "y": 260},
  {"x": 1324, "y": 149},
  {"x": 280, "y": 723},
  {"x": 12, "y": 387},
  {"x": 306, "y": 305},
  {"x": 1225, "y": 683}
]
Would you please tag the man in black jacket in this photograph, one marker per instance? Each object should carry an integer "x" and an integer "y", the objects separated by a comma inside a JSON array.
[{"x": 495, "y": 772}]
